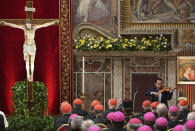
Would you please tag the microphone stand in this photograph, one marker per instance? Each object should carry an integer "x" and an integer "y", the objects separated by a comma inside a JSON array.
[{"x": 134, "y": 99}]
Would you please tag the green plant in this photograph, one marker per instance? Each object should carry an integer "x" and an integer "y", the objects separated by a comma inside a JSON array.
[
  {"x": 24, "y": 123},
  {"x": 39, "y": 105},
  {"x": 30, "y": 118}
]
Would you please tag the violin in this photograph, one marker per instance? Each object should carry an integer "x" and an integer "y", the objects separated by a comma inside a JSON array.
[{"x": 166, "y": 89}]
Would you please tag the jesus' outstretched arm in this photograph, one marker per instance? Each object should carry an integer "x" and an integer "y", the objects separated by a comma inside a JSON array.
[
  {"x": 12, "y": 25},
  {"x": 46, "y": 24}
]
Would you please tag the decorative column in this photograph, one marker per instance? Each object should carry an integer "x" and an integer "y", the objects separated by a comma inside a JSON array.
[
  {"x": 118, "y": 82},
  {"x": 172, "y": 79}
]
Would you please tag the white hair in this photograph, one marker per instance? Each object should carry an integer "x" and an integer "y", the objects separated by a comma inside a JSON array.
[
  {"x": 76, "y": 122},
  {"x": 181, "y": 108},
  {"x": 133, "y": 127},
  {"x": 162, "y": 109},
  {"x": 87, "y": 124},
  {"x": 193, "y": 107},
  {"x": 147, "y": 108},
  {"x": 191, "y": 116}
]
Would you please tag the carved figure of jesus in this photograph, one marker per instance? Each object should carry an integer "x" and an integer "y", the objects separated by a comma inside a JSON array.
[{"x": 29, "y": 47}]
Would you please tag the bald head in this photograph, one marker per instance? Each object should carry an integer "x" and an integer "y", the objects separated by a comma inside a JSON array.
[
  {"x": 162, "y": 109},
  {"x": 87, "y": 124}
]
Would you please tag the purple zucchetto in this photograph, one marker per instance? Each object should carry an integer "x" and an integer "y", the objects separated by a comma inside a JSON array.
[
  {"x": 144, "y": 128},
  {"x": 161, "y": 121},
  {"x": 94, "y": 128},
  {"x": 118, "y": 116},
  {"x": 178, "y": 128},
  {"x": 73, "y": 116},
  {"x": 190, "y": 124},
  {"x": 109, "y": 116},
  {"x": 135, "y": 121},
  {"x": 149, "y": 116},
  {"x": 173, "y": 109}
]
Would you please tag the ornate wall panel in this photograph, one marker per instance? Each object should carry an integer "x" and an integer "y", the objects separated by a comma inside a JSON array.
[
  {"x": 97, "y": 79},
  {"x": 66, "y": 50},
  {"x": 143, "y": 65}
]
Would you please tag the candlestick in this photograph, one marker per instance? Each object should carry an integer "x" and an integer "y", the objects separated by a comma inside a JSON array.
[{"x": 83, "y": 78}]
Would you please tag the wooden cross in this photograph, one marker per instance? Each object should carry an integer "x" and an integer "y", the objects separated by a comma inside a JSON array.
[
  {"x": 29, "y": 10},
  {"x": 29, "y": 15}
]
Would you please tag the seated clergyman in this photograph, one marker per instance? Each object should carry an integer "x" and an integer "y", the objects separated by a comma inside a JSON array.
[{"x": 66, "y": 109}]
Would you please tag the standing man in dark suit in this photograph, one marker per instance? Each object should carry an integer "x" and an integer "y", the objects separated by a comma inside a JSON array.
[{"x": 160, "y": 93}]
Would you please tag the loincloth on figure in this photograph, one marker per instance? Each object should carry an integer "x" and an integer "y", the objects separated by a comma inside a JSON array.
[{"x": 29, "y": 50}]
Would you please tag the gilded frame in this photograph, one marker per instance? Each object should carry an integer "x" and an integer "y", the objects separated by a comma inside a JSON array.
[
  {"x": 180, "y": 69},
  {"x": 125, "y": 20}
]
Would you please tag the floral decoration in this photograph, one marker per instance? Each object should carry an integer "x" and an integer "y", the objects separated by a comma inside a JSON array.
[{"x": 159, "y": 43}]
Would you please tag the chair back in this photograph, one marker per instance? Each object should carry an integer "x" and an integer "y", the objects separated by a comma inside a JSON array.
[
  {"x": 63, "y": 127},
  {"x": 101, "y": 125}
]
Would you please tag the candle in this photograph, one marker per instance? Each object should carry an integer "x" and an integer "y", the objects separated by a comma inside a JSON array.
[{"x": 83, "y": 78}]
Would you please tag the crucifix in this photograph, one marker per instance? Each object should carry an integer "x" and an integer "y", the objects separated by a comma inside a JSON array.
[{"x": 29, "y": 26}]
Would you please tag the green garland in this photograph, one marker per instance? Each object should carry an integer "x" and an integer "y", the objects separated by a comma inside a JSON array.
[
  {"x": 159, "y": 43},
  {"x": 34, "y": 119}
]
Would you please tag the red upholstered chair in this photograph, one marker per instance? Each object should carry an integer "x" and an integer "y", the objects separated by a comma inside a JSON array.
[
  {"x": 101, "y": 125},
  {"x": 63, "y": 127}
]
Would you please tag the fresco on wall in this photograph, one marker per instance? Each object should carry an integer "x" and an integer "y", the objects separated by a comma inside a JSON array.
[
  {"x": 102, "y": 13},
  {"x": 162, "y": 11},
  {"x": 186, "y": 70}
]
